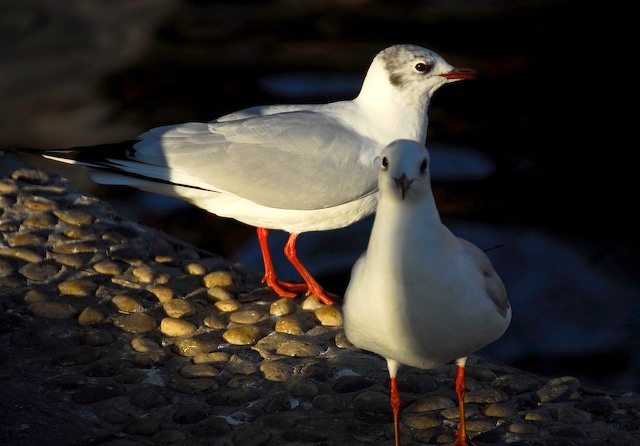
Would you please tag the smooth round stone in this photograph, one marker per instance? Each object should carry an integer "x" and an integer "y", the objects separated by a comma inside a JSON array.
[
  {"x": 142, "y": 344},
  {"x": 522, "y": 428},
  {"x": 33, "y": 295},
  {"x": 480, "y": 425},
  {"x": 70, "y": 260},
  {"x": 291, "y": 324},
  {"x": 144, "y": 274},
  {"x": 25, "y": 239},
  {"x": 195, "y": 269},
  {"x": 211, "y": 427},
  {"x": 214, "y": 322},
  {"x": 33, "y": 176},
  {"x": 276, "y": 371},
  {"x": 298, "y": 349},
  {"x": 8, "y": 187},
  {"x": 51, "y": 310},
  {"x": 302, "y": 388},
  {"x": 178, "y": 308},
  {"x": 148, "y": 398},
  {"x": 311, "y": 303},
  {"x": 21, "y": 254},
  {"x": 342, "y": 341},
  {"x": 173, "y": 327},
  {"x": 77, "y": 287},
  {"x": 97, "y": 337},
  {"x": 349, "y": 383},
  {"x": 40, "y": 272},
  {"x": 515, "y": 383},
  {"x": 126, "y": 304},
  {"x": 90, "y": 316},
  {"x": 151, "y": 359},
  {"x": 79, "y": 233},
  {"x": 199, "y": 371},
  {"x": 163, "y": 293},
  {"x": 40, "y": 204},
  {"x": 246, "y": 317},
  {"x": 75, "y": 247},
  {"x": 136, "y": 323},
  {"x": 190, "y": 412},
  {"x": 74, "y": 216},
  {"x": 39, "y": 221},
  {"x": 281, "y": 307},
  {"x": 370, "y": 400},
  {"x": 558, "y": 389},
  {"x": 164, "y": 258},
  {"x": 108, "y": 267},
  {"x": 209, "y": 357},
  {"x": 193, "y": 345},
  {"x": 329, "y": 403},
  {"x": 6, "y": 268},
  {"x": 572, "y": 415},
  {"x": 422, "y": 422},
  {"x": 453, "y": 413},
  {"x": 11, "y": 282},
  {"x": 227, "y": 306},
  {"x": 218, "y": 279},
  {"x": 217, "y": 293},
  {"x": 501, "y": 410},
  {"x": 485, "y": 395},
  {"x": 245, "y": 335},
  {"x": 538, "y": 417},
  {"x": 329, "y": 316},
  {"x": 429, "y": 403}
]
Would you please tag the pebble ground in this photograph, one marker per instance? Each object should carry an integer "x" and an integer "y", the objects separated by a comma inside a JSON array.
[{"x": 114, "y": 334}]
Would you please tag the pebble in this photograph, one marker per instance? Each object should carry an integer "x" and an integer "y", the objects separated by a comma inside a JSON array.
[
  {"x": 208, "y": 357},
  {"x": 282, "y": 307},
  {"x": 136, "y": 323},
  {"x": 91, "y": 316},
  {"x": 199, "y": 371},
  {"x": 51, "y": 310},
  {"x": 228, "y": 306},
  {"x": 73, "y": 216},
  {"x": 163, "y": 293},
  {"x": 173, "y": 327},
  {"x": 329, "y": 316},
  {"x": 77, "y": 287},
  {"x": 40, "y": 272},
  {"x": 22, "y": 254},
  {"x": 177, "y": 308},
  {"x": 217, "y": 293},
  {"x": 245, "y": 335},
  {"x": 126, "y": 304},
  {"x": 218, "y": 279},
  {"x": 194, "y": 345},
  {"x": 246, "y": 317},
  {"x": 142, "y": 344},
  {"x": 108, "y": 268}
]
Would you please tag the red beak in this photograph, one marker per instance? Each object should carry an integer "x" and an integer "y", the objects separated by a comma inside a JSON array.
[{"x": 461, "y": 74}]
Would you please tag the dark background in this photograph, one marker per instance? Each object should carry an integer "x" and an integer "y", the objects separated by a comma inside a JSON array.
[{"x": 84, "y": 72}]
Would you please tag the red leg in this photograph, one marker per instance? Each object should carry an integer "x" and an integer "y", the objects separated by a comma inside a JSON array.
[
  {"x": 394, "y": 400},
  {"x": 461, "y": 390},
  {"x": 269, "y": 271},
  {"x": 314, "y": 287}
]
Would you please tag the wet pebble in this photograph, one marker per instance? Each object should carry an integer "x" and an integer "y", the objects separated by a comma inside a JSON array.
[
  {"x": 22, "y": 254},
  {"x": 208, "y": 357},
  {"x": 245, "y": 335},
  {"x": 51, "y": 310},
  {"x": 281, "y": 307},
  {"x": 292, "y": 324},
  {"x": 90, "y": 316},
  {"x": 126, "y": 304},
  {"x": 299, "y": 349},
  {"x": 485, "y": 395},
  {"x": 142, "y": 344},
  {"x": 172, "y": 327},
  {"x": 77, "y": 287},
  {"x": 194, "y": 345},
  {"x": 75, "y": 247},
  {"x": 25, "y": 239},
  {"x": 422, "y": 422},
  {"x": 329, "y": 316},
  {"x": 143, "y": 274},
  {"x": 246, "y": 317},
  {"x": 217, "y": 293},
  {"x": 136, "y": 323},
  {"x": 195, "y": 269},
  {"x": 163, "y": 293},
  {"x": 199, "y": 371},
  {"x": 74, "y": 216},
  {"x": 40, "y": 272},
  {"x": 227, "y": 306},
  {"x": 218, "y": 279},
  {"x": 108, "y": 267},
  {"x": 39, "y": 204},
  {"x": 214, "y": 322},
  {"x": 148, "y": 398},
  {"x": 558, "y": 389},
  {"x": 276, "y": 370},
  {"x": 429, "y": 403},
  {"x": 177, "y": 308},
  {"x": 522, "y": 428},
  {"x": 571, "y": 415}
]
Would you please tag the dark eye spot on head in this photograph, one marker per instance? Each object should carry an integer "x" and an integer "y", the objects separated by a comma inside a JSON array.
[
  {"x": 385, "y": 162},
  {"x": 423, "y": 166},
  {"x": 423, "y": 67}
]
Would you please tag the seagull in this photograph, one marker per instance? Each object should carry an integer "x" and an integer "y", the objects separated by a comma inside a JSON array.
[
  {"x": 295, "y": 168},
  {"x": 420, "y": 296}
]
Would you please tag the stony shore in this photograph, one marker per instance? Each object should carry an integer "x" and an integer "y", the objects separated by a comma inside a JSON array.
[{"x": 112, "y": 333}]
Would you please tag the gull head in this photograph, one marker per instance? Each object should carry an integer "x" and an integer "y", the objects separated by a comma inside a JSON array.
[
  {"x": 404, "y": 170},
  {"x": 411, "y": 71}
]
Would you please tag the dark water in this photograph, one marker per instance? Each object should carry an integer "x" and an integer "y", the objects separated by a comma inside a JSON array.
[{"x": 559, "y": 196}]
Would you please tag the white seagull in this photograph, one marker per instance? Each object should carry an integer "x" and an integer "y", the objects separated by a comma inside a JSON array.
[
  {"x": 294, "y": 168},
  {"x": 419, "y": 295}
]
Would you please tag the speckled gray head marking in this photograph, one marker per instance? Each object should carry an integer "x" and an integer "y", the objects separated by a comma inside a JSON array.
[{"x": 400, "y": 61}]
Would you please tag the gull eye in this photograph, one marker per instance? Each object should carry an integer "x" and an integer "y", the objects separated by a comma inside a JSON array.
[
  {"x": 423, "y": 166},
  {"x": 423, "y": 67},
  {"x": 385, "y": 163}
]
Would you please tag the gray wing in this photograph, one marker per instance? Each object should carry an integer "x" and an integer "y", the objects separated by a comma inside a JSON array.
[
  {"x": 493, "y": 284},
  {"x": 293, "y": 160}
]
